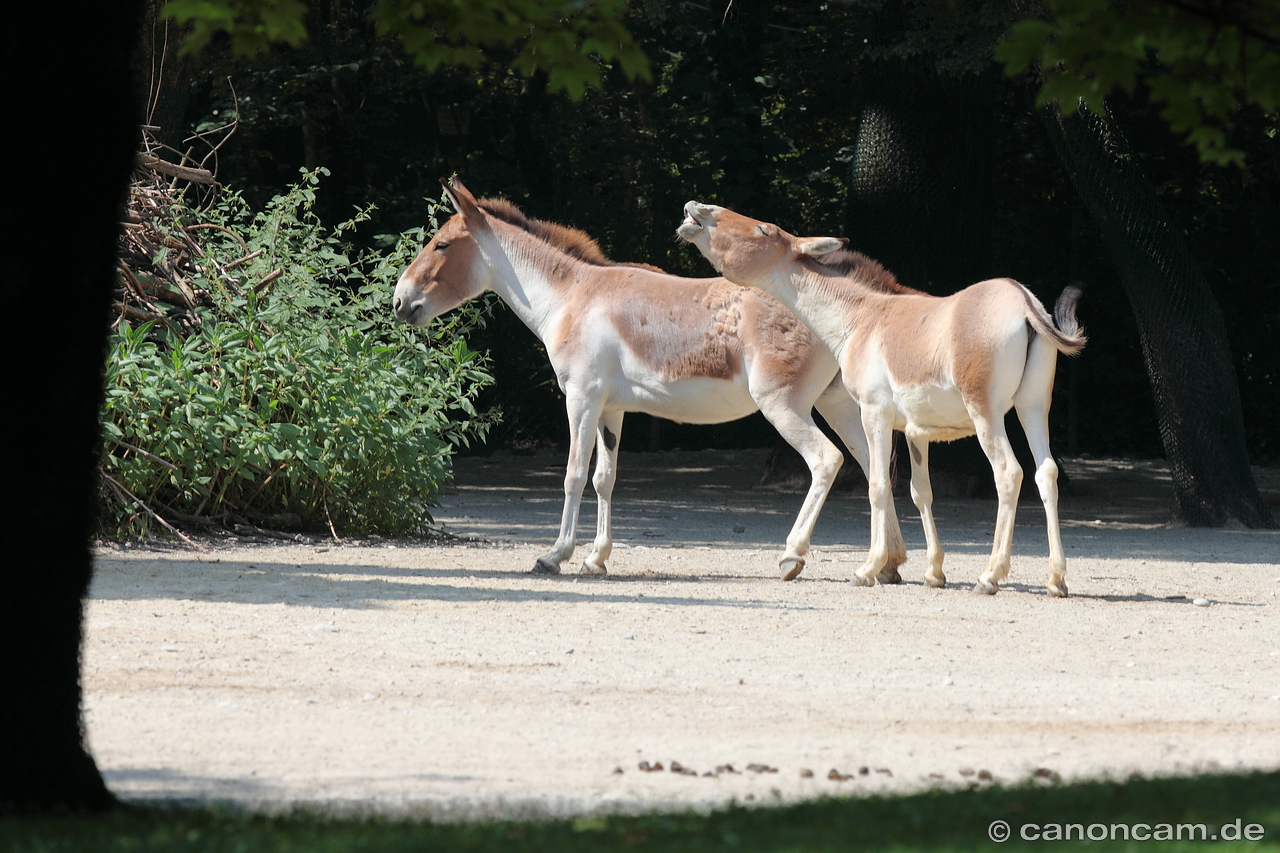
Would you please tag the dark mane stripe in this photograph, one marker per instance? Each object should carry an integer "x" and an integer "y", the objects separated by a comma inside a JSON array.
[
  {"x": 857, "y": 265},
  {"x": 571, "y": 241}
]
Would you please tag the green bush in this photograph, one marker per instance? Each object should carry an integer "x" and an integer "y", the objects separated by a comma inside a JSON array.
[{"x": 299, "y": 397}]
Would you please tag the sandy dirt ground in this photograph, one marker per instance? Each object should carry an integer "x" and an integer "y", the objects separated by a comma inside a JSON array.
[{"x": 442, "y": 679}]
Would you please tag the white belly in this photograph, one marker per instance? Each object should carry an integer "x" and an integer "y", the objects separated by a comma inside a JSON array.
[
  {"x": 932, "y": 412},
  {"x": 696, "y": 400}
]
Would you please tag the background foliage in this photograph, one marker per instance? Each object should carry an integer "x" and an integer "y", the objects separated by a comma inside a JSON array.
[
  {"x": 296, "y": 403},
  {"x": 561, "y": 39},
  {"x": 756, "y": 105},
  {"x": 1199, "y": 59}
]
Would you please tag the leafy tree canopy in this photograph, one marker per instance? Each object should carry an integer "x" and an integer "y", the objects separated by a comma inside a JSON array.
[
  {"x": 569, "y": 40},
  {"x": 1202, "y": 59}
]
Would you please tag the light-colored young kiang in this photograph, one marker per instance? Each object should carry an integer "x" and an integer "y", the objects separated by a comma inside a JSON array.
[
  {"x": 937, "y": 368},
  {"x": 629, "y": 338}
]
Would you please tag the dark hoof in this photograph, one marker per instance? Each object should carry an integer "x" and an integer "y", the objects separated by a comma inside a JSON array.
[
  {"x": 889, "y": 576},
  {"x": 542, "y": 567}
]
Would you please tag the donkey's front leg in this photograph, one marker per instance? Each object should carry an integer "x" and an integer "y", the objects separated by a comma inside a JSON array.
[
  {"x": 794, "y": 422},
  {"x": 879, "y": 433},
  {"x": 922, "y": 495},
  {"x": 608, "y": 434},
  {"x": 584, "y": 415},
  {"x": 843, "y": 414}
]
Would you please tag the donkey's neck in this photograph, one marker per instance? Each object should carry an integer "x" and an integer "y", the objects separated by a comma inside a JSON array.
[
  {"x": 831, "y": 306},
  {"x": 525, "y": 272}
]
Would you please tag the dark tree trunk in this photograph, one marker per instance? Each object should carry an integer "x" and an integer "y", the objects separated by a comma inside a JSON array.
[
  {"x": 70, "y": 94},
  {"x": 921, "y": 195},
  {"x": 163, "y": 77},
  {"x": 1184, "y": 340}
]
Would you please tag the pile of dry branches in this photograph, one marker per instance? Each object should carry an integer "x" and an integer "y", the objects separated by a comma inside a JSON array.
[
  {"x": 160, "y": 249},
  {"x": 156, "y": 251}
]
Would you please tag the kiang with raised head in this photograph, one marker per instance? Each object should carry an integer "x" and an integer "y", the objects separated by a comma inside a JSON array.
[
  {"x": 936, "y": 368},
  {"x": 631, "y": 338}
]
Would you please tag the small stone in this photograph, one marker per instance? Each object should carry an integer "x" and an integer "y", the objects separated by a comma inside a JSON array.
[
  {"x": 806, "y": 773},
  {"x": 985, "y": 775},
  {"x": 1201, "y": 602}
]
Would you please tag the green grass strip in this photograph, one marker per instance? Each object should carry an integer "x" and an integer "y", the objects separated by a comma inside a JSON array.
[{"x": 1218, "y": 812}]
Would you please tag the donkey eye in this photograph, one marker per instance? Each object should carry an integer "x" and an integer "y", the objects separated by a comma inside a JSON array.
[{"x": 763, "y": 230}]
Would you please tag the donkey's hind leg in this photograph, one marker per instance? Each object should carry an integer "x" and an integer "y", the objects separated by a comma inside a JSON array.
[
  {"x": 1032, "y": 403},
  {"x": 608, "y": 434},
  {"x": 1008, "y": 477}
]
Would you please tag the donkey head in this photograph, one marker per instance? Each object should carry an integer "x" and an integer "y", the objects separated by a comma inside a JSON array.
[
  {"x": 746, "y": 250},
  {"x": 450, "y": 269}
]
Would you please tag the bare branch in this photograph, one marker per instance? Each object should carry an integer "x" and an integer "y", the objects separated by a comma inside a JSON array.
[
  {"x": 267, "y": 280},
  {"x": 145, "y": 453},
  {"x": 164, "y": 167},
  {"x": 124, "y": 495}
]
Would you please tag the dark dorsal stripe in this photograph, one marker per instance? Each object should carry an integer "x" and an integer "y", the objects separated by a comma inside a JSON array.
[
  {"x": 868, "y": 272},
  {"x": 571, "y": 241}
]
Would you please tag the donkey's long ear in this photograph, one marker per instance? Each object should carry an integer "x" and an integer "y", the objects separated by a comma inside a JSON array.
[
  {"x": 464, "y": 202},
  {"x": 816, "y": 246}
]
